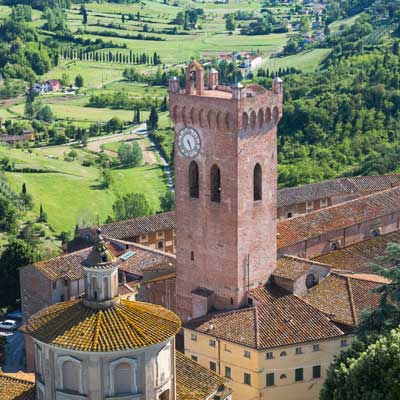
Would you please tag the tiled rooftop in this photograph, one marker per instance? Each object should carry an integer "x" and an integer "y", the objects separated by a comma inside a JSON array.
[
  {"x": 69, "y": 265},
  {"x": 361, "y": 185},
  {"x": 344, "y": 297},
  {"x": 306, "y": 226},
  {"x": 358, "y": 257},
  {"x": 338, "y": 217},
  {"x": 139, "y": 226},
  {"x": 12, "y": 388},
  {"x": 194, "y": 382},
  {"x": 291, "y": 267},
  {"x": 126, "y": 325},
  {"x": 278, "y": 319}
]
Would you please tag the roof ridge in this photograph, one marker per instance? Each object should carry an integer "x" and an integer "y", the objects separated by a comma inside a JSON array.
[
  {"x": 351, "y": 298},
  {"x": 310, "y": 261},
  {"x": 99, "y": 319},
  {"x": 141, "y": 246},
  {"x": 61, "y": 256},
  {"x": 256, "y": 328}
]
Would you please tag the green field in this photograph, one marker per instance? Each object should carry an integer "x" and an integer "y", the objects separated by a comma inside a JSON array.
[
  {"x": 72, "y": 191},
  {"x": 306, "y": 61}
]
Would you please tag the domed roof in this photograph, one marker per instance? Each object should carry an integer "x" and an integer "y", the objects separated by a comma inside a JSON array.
[
  {"x": 100, "y": 257},
  {"x": 126, "y": 325}
]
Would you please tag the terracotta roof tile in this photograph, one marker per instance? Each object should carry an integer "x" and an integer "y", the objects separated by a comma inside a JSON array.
[
  {"x": 70, "y": 265},
  {"x": 343, "y": 297},
  {"x": 358, "y": 257},
  {"x": 126, "y": 325},
  {"x": 338, "y": 217},
  {"x": 12, "y": 388},
  {"x": 194, "y": 382},
  {"x": 139, "y": 226},
  {"x": 360, "y": 185},
  {"x": 278, "y": 319},
  {"x": 291, "y": 267}
]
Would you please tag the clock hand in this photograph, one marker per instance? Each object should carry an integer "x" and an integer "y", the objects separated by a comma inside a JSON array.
[{"x": 189, "y": 144}]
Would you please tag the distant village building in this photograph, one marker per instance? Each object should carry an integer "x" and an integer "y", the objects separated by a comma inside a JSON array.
[
  {"x": 52, "y": 85},
  {"x": 26, "y": 136}
]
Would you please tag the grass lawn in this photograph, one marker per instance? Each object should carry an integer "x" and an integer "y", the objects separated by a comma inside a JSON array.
[
  {"x": 74, "y": 192},
  {"x": 76, "y": 112},
  {"x": 334, "y": 27},
  {"x": 306, "y": 61}
]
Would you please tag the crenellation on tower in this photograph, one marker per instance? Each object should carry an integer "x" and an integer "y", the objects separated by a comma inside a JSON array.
[{"x": 225, "y": 153}]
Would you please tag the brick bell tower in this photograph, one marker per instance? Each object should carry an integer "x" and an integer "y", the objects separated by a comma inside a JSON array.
[{"x": 226, "y": 184}]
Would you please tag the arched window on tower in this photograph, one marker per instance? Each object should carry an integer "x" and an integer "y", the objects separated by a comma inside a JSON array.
[
  {"x": 257, "y": 183},
  {"x": 215, "y": 184},
  {"x": 194, "y": 180}
]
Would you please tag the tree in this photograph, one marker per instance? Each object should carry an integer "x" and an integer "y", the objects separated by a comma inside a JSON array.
[
  {"x": 115, "y": 124},
  {"x": 42, "y": 214},
  {"x": 45, "y": 114},
  {"x": 152, "y": 122},
  {"x": 131, "y": 205},
  {"x": 106, "y": 177},
  {"x": 84, "y": 14},
  {"x": 357, "y": 372},
  {"x": 167, "y": 201},
  {"x": 130, "y": 155},
  {"x": 79, "y": 81},
  {"x": 371, "y": 374},
  {"x": 230, "y": 24},
  {"x": 305, "y": 24},
  {"x": 23, "y": 191},
  {"x": 387, "y": 315},
  {"x": 164, "y": 105},
  {"x": 8, "y": 215},
  {"x": 18, "y": 253},
  {"x": 65, "y": 80}
]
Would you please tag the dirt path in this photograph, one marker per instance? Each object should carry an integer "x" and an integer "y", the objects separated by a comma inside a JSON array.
[{"x": 149, "y": 155}]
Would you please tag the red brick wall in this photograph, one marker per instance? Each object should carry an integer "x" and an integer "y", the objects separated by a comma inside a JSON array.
[
  {"x": 162, "y": 292},
  {"x": 222, "y": 235}
]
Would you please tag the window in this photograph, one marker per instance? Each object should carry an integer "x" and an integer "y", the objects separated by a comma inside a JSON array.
[
  {"x": 194, "y": 180},
  {"x": 215, "y": 184},
  {"x": 270, "y": 379},
  {"x": 62, "y": 298},
  {"x": 334, "y": 246},
  {"x": 228, "y": 373},
  {"x": 298, "y": 374},
  {"x": 249, "y": 301},
  {"x": 283, "y": 354},
  {"x": 315, "y": 347},
  {"x": 54, "y": 284},
  {"x": 160, "y": 244},
  {"x": 194, "y": 337},
  {"x": 299, "y": 350},
  {"x": 270, "y": 355},
  {"x": 65, "y": 282},
  {"x": 343, "y": 343},
  {"x": 283, "y": 376},
  {"x": 289, "y": 215},
  {"x": 247, "y": 379},
  {"x": 247, "y": 354},
  {"x": 212, "y": 342},
  {"x": 123, "y": 378},
  {"x": 316, "y": 371},
  {"x": 213, "y": 366},
  {"x": 257, "y": 183},
  {"x": 309, "y": 205},
  {"x": 324, "y": 202},
  {"x": 70, "y": 376},
  {"x": 192, "y": 256},
  {"x": 310, "y": 281},
  {"x": 194, "y": 358}
]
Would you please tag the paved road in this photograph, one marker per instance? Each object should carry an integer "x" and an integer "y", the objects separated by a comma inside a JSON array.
[{"x": 15, "y": 352}]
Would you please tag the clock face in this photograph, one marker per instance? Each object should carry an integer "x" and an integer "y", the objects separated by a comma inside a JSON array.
[{"x": 189, "y": 142}]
